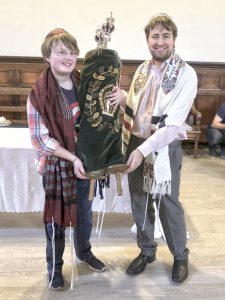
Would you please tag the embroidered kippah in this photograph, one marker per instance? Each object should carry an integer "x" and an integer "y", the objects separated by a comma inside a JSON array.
[
  {"x": 55, "y": 31},
  {"x": 161, "y": 15}
]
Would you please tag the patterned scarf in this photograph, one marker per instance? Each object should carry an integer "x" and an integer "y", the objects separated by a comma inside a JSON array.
[
  {"x": 155, "y": 181},
  {"x": 59, "y": 117}
]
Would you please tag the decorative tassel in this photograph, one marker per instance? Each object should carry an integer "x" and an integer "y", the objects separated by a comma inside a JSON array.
[
  {"x": 158, "y": 216},
  {"x": 146, "y": 210},
  {"x": 102, "y": 183},
  {"x": 107, "y": 181},
  {"x": 113, "y": 203},
  {"x": 100, "y": 219},
  {"x": 147, "y": 184},
  {"x": 148, "y": 175},
  {"x": 53, "y": 252},
  {"x": 72, "y": 257},
  {"x": 160, "y": 189}
]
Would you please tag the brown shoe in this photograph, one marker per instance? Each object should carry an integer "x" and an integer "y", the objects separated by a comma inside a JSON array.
[{"x": 180, "y": 270}]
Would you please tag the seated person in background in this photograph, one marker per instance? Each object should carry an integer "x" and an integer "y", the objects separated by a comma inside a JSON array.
[{"x": 215, "y": 133}]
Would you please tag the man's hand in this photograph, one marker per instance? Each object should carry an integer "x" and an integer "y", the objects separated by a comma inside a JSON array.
[
  {"x": 79, "y": 169},
  {"x": 134, "y": 161},
  {"x": 116, "y": 97}
]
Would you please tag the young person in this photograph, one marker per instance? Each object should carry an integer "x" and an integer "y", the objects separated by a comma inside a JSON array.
[
  {"x": 53, "y": 113},
  {"x": 161, "y": 94}
]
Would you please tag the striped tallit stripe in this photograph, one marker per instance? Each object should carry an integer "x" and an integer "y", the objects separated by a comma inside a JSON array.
[
  {"x": 129, "y": 112},
  {"x": 127, "y": 126}
]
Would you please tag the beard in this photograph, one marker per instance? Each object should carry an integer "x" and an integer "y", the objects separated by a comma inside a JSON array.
[{"x": 160, "y": 58}]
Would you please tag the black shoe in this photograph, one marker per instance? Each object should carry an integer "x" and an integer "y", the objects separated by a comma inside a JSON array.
[
  {"x": 212, "y": 152},
  {"x": 180, "y": 270},
  {"x": 139, "y": 264},
  {"x": 94, "y": 263},
  {"x": 223, "y": 153},
  {"x": 56, "y": 283}
]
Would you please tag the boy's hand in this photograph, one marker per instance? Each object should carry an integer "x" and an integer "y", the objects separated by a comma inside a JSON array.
[{"x": 79, "y": 169}]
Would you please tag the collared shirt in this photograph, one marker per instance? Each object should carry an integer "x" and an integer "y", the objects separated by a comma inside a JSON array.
[
  {"x": 42, "y": 143},
  {"x": 164, "y": 135}
]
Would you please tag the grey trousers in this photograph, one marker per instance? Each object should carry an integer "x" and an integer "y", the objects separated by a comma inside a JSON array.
[{"x": 171, "y": 212}]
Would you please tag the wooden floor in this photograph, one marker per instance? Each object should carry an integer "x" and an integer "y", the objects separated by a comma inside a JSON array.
[{"x": 22, "y": 249}]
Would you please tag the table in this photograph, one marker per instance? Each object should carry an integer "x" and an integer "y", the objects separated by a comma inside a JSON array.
[{"x": 21, "y": 186}]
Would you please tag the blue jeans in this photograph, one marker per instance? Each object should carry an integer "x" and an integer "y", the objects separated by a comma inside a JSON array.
[
  {"x": 82, "y": 232},
  {"x": 215, "y": 136},
  {"x": 59, "y": 241}
]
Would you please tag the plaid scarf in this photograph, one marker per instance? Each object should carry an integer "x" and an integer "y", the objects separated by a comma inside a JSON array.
[
  {"x": 60, "y": 187},
  {"x": 59, "y": 181}
]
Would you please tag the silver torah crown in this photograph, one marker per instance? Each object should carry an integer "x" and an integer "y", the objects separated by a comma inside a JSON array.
[{"x": 103, "y": 33}]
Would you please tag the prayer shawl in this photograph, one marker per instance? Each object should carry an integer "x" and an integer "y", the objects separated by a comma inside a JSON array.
[
  {"x": 59, "y": 117},
  {"x": 176, "y": 94}
]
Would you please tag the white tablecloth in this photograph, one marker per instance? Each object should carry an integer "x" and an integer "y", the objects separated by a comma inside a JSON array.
[{"x": 21, "y": 187}]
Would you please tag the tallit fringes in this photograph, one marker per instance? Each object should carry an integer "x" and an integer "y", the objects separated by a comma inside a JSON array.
[
  {"x": 72, "y": 257},
  {"x": 161, "y": 189},
  {"x": 99, "y": 224},
  {"x": 53, "y": 252},
  {"x": 150, "y": 186},
  {"x": 167, "y": 188},
  {"x": 102, "y": 183},
  {"x": 147, "y": 184},
  {"x": 146, "y": 210}
]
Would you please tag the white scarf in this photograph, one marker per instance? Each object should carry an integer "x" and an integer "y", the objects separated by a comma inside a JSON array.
[
  {"x": 157, "y": 172},
  {"x": 160, "y": 183}
]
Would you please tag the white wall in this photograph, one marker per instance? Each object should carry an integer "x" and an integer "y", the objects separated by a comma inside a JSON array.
[{"x": 201, "y": 26}]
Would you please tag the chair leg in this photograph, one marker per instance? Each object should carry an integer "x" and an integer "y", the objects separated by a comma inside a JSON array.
[{"x": 196, "y": 146}]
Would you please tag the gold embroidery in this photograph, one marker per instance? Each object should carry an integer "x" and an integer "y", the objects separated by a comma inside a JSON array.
[
  {"x": 106, "y": 108},
  {"x": 95, "y": 93}
]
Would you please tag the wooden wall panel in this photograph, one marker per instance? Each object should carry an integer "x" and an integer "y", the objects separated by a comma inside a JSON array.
[
  {"x": 4, "y": 77},
  {"x": 211, "y": 91},
  {"x": 208, "y": 81},
  {"x": 18, "y": 74},
  {"x": 27, "y": 78}
]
